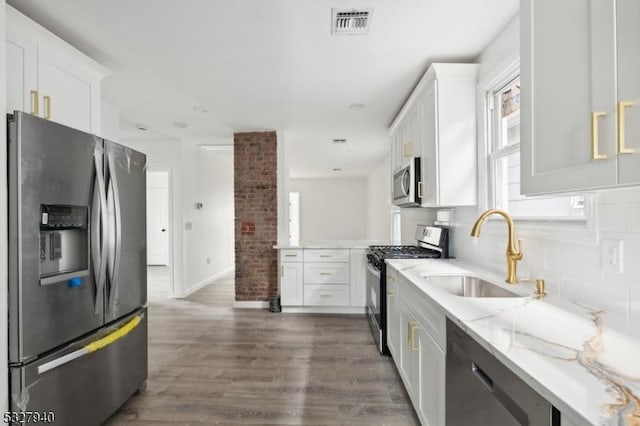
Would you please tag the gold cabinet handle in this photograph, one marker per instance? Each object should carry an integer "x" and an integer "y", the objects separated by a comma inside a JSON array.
[
  {"x": 282, "y": 271},
  {"x": 325, "y": 273},
  {"x": 34, "y": 102},
  {"x": 420, "y": 190},
  {"x": 390, "y": 293},
  {"x": 595, "y": 154},
  {"x": 411, "y": 328},
  {"x": 407, "y": 149},
  {"x": 47, "y": 107},
  {"x": 622, "y": 149},
  {"x": 325, "y": 296}
]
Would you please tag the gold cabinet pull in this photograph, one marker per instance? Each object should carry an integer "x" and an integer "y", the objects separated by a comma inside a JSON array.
[
  {"x": 282, "y": 274},
  {"x": 34, "y": 103},
  {"x": 420, "y": 190},
  {"x": 622, "y": 149},
  {"x": 595, "y": 154},
  {"x": 411, "y": 328},
  {"x": 47, "y": 107},
  {"x": 407, "y": 149},
  {"x": 390, "y": 293}
]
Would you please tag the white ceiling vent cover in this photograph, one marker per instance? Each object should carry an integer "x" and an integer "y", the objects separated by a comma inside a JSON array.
[{"x": 350, "y": 21}]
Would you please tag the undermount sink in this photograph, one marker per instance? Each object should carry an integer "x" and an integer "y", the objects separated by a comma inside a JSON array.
[{"x": 467, "y": 286}]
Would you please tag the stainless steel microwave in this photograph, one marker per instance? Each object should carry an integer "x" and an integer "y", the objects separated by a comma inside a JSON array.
[{"x": 406, "y": 184}]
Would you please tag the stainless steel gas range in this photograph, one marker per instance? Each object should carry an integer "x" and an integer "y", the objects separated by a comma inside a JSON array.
[{"x": 431, "y": 242}]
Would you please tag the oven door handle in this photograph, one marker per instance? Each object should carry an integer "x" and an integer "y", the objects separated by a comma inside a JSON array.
[{"x": 373, "y": 270}]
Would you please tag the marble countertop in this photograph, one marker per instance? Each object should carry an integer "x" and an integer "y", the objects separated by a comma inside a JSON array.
[
  {"x": 584, "y": 360},
  {"x": 332, "y": 244}
]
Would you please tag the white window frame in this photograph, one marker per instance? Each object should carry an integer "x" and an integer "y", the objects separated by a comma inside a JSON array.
[{"x": 565, "y": 228}]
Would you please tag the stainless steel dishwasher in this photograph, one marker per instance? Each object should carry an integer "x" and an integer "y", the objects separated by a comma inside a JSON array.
[{"x": 481, "y": 391}]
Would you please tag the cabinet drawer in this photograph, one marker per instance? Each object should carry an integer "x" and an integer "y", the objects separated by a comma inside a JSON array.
[
  {"x": 326, "y": 273},
  {"x": 289, "y": 255},
  {"x": 326, "y": 255},
  {"x": 326, "y": 295}
]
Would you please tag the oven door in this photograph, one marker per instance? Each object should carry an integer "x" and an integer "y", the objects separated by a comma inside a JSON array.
[{"x": 374, "y": 306}]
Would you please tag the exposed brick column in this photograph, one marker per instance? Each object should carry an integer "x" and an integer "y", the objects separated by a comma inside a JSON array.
[{"x": 256, "y": 221}]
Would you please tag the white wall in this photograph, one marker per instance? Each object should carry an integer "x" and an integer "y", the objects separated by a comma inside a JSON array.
[
  {"x": 332, "y": 208},
  {"x": 208, "y": 180},
  {"x": 4, "y": 382},
  {"x": 109, "y": 121},
  {"x": 379, "y": 202},
  {"x": 167, "y": 155},
  {"x": 197, "y": 176}
]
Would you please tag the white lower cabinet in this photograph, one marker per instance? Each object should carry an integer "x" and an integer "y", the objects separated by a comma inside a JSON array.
[
  {"x": 416, "y": 352},
  {"x": 291, "y": 284},
  {"x": 393, "y": 315},
  {"x": 432, "y": 381},
  {"x": 326, "y": 295},
  {"x": 410, "y": 352},
  {"x": 323, "y": 278}
]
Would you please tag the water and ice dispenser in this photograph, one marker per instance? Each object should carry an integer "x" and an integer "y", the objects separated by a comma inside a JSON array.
[{"x": 64, "y": 244}]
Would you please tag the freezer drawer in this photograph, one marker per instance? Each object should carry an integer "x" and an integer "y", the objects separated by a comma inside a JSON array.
[{"x": 89, "y": 389}]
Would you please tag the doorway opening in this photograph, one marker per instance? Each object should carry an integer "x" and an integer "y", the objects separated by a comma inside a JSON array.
[{"x": 159, "y": 268}]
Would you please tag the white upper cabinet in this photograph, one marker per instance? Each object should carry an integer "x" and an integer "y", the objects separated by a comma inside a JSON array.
[
  {"x": 628, "y": 55},
  {"x": 49, "y": 78},
  {"x": 578, "y": 131},
  {"x": 440, "y": 116}
]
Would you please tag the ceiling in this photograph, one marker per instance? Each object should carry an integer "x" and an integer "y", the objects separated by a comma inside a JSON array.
[{"x": 270, "y": 65}]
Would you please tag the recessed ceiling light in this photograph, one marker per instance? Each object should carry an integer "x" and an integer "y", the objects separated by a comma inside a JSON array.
[
  {"x": 142, "y": 126},
  {"x": 357, "y": 107},
  {"x": 181, "y": 124},
  {"x": 200, "y": 109},
  {"x": 337, "y": 169},
  {"x": 339, "y": 141}
]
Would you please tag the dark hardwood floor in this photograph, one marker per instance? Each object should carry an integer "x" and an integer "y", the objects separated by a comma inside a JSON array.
[{"x": 212, "y": 364}]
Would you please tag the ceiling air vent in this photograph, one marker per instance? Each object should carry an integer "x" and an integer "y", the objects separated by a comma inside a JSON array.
[{"x": 350, "y": 21}]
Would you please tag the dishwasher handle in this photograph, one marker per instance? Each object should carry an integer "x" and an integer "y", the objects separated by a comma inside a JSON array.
[{"x": 482, "y": 376}]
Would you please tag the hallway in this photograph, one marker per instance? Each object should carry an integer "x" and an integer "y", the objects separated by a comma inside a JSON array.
[{"x": 212, "y": 364}]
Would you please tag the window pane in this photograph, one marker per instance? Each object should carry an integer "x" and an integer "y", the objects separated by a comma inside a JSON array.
[
  {"x": 509, "y": 198},
  {"x": 509, "y": 119}
]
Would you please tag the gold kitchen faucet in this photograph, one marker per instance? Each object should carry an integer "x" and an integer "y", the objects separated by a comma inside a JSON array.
[{"x": 513, "y": 254}]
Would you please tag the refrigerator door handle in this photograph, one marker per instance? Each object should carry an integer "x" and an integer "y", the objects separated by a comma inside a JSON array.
[
  {"x": 98, "y": 231},
  {"x": 94, "y": 346},
  {"x": 113, "y": 201}
]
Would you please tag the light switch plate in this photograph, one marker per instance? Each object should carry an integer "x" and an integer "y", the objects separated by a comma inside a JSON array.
[{"x": 612, "y": 255}]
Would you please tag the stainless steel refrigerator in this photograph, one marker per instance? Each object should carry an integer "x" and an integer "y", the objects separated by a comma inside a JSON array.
[{"x": 77, "y": 272}]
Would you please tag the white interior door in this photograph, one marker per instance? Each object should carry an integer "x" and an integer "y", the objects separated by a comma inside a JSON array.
[{"x": 157, "y": 218}]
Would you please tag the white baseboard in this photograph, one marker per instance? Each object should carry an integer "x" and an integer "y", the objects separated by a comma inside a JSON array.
[
  {"x": 250, "y": 304},
  {"x": 324, "y": 310},
  {"x": 206, "y": 281}
]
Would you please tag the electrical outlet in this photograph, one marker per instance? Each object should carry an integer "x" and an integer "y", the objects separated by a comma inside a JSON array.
[{"x": 612, "y": 255}]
